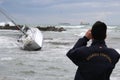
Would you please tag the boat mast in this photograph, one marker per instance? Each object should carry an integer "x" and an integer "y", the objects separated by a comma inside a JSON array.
[{"x": 3, "y": 12}]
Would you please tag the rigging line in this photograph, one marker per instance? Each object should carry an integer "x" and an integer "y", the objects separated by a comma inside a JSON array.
[{"x": 3, "y": 12}]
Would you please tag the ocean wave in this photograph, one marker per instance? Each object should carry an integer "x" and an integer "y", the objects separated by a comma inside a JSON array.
[
  {"x": 6, "y": 58},
  {"x": 28, "y": 72},
  {"x": 112, "y": 27},
  {"x": 81, "y": 34},
  {"x": 11, "y": 78},
  {"x": 7, "y": 42},
  {"x": 88, "y": 26},
  {"x": 58, "y": 42},
  {"x": 75, "y": 26},
  {"x": 118, "y": 50},
  {"x": 115, "y": 78}
]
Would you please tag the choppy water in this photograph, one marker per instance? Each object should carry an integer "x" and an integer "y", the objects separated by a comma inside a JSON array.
[{"x": 51, "y": 62}]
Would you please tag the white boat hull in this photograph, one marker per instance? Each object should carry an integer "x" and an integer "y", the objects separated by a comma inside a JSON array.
[{"x": 33, "y": 40}]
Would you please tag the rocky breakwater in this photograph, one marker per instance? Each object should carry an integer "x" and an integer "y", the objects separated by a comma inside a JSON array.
[
  {"x": 51, "y": 28},
  {"x": 48, "y": 28},
  {"x": 7, "y": 26}
]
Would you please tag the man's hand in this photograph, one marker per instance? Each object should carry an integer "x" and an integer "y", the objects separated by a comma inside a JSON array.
[{"x": 88, "y": 34}]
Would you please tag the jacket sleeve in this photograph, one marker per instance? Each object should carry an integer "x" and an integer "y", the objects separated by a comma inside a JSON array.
[
  {"x": 81, "y": 42},
  {"x": 74, "y": 53}
]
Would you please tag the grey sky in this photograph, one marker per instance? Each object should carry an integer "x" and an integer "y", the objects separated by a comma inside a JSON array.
[{"x": 60, "y": 11}]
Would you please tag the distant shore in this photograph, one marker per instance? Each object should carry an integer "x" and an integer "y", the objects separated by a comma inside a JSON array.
[{"x": 47, "y": 28}]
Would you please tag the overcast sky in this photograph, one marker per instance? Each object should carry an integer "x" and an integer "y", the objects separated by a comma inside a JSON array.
[{"x": 62, "y": 11}]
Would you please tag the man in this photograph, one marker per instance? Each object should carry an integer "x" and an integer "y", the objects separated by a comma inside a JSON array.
[{"x": 97, "y": 61}]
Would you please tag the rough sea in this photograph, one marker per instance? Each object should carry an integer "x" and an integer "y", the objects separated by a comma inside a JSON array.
[{"x": 50, "y": 63}]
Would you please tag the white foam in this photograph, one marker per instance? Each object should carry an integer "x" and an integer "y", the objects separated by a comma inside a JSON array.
[
  {"x": 114, "y": 78},
  {"x": 6, "y": 58},
  {"x": 118, "y": 50},
  {"x": 112, "y": 27},
  {"x": 7, "y": 42},
  {"x": 81, "y": 34},
  {"x": 77, "y": 26}
]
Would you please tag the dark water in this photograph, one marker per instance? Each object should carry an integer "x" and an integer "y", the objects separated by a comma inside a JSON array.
[{"x": 51, "y": 62}]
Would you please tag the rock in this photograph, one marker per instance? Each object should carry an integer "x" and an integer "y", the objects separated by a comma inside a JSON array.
[
  {"x": 7, "y": 26},
  {"x": 48, "y": 28},
  {"x": 51, "y": 28}
]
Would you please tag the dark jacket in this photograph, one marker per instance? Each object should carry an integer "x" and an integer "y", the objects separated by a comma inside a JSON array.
[{"x": 95, "y": 62}]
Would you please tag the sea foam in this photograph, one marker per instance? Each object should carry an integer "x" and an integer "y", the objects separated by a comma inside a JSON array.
[
  {"x": 7, "y": 42},
  {"x": 6, "y": 58},
  {"x": 118, "y": 50}
]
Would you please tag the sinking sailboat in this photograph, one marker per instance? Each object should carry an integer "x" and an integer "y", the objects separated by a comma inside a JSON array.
[{"x": 31, "y": 38}]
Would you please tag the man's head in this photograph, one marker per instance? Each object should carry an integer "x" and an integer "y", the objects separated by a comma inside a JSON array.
[{"x": 99, "y": 30}]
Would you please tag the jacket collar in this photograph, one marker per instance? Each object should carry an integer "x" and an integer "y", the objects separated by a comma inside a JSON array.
[{"x": 99, "y": 43}]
